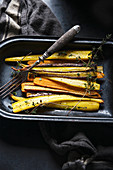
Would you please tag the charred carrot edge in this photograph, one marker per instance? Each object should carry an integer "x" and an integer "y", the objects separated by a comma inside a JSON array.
[{"x": 57, "y": 63}]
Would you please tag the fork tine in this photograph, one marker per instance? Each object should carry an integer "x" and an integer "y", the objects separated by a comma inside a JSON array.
[
  {"x": 8, "y": 82},
  {"x": 11, "y": 91},
  {"x": 11, "y": 88}
]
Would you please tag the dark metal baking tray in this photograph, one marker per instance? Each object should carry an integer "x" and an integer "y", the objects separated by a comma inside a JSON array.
[{"x": 23, "y": 45}]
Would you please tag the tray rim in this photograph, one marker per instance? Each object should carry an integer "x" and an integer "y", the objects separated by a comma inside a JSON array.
[{"x": 9, "y": 115}]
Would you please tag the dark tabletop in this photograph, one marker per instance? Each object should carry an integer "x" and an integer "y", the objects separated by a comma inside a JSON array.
[{"x": 21, "y": 144}]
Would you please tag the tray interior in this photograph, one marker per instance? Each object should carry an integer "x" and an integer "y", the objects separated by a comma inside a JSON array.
[{"x": 25, "y": 46}]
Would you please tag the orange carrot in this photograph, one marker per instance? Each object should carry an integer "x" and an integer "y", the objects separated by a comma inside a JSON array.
[
  {"x": 100, "y": 75},
  {"x": 56, "y": 85}
]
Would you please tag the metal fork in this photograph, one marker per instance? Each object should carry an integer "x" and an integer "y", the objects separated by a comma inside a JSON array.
[{"x": 14, "y": 83}]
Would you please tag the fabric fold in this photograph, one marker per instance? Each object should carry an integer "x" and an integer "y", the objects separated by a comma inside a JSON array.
[
  {"x": 81, "y": 153},
  {"x": 27, "y": 17}
]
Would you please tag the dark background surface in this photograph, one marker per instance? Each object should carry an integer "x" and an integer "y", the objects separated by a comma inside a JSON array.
[
  {"x": 21, "y": 143},
  {"x": 95, "y": 17}
]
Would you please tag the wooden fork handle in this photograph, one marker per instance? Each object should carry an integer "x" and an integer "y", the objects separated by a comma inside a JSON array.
[{"x": 61, "y": 42}]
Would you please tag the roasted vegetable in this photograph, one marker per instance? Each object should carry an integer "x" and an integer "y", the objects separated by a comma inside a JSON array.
[
  {"x": 67, "y": 80},
  {"x": 56, "y": 82},
  {"x": 59, "y": 69},
  {"x": 57, "y": 63},
  {"x": 16, "y": 98},
  {"x": 73, "y": 75},
  {"x": 61, "y": 55},
  {"x": 26, "y": 83},
  {"x": 67, "y": 96},
  {"x": 65, "y": 90},
  {"x": 82, "y": 105},
  {"x": 36, "y": 101}
]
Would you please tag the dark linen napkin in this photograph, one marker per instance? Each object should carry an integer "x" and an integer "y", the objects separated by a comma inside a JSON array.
[
  {"x": 80, "y": 152},
  {"x": 33, "y": 17},
  {"x": 27, "y": 17}
]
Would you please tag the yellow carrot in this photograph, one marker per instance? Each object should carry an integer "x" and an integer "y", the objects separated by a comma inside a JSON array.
[
  {"x": 61, "y": 55},
  {"x": 36, "y": 101},
  {"x": 80, "y": 105},
  {"x": 57, "y": 81}
]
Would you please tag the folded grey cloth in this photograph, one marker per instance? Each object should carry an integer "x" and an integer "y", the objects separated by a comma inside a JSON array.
[
  {"x": 81, "y": 153},
  {"x": 27, "y": 17}
]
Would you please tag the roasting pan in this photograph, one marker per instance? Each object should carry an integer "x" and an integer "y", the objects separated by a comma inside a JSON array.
[{"x": 23, "y": 45}]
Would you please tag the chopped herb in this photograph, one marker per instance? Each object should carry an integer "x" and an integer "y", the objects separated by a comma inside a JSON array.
[
  {"x": 12, "y": 101},
  {"x": 10, "y": 106},
  {"x": 108, "y": 36},
  {"x": 89, "y": 83},
  {"x": 90, "y": 76},
  {"x": 95, "y": 79},
  {"x": 70, "y": 55},
  {"x": 85, "y": 84},
  {"x": 33, "y": 103},
  {"x": 77, "y": 58},
  {"x": 26, "y": 111},
  {"x": 18, "y": 63},
  {"x": 15, "y": 93},
  {"x": 85, "y": 64},
  {"x": 93, "y": 88},
  {"x": 90, "y": 53},
  {"x": 78, "y": 74},
  {"x": 35, "y": 75},
  {"x": 34, "y": 112},
  {"x": 62, "y": 53}
]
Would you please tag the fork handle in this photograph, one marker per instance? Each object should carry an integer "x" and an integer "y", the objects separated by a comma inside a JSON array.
[{"x": 62, "y": 41}]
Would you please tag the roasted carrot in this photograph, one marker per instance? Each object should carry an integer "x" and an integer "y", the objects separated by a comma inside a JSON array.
[
  {"x": 57, "y": 63},
  {"x": 66, "y": 90},
  {"x": 59, "y": 69},
  {"x": 16, "y": 98},
  {"x": 60, "y": 55},
  {"x": 36, "y": 101},
  {"x": 80, "y": 105},
  {"x": 73, "y": 75},
  {"x": 59, "y": 83},
  {"x": 26, "y": 83},
  {"x": 100, "y": 75},
  {"x": 76, "y": 98}
]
